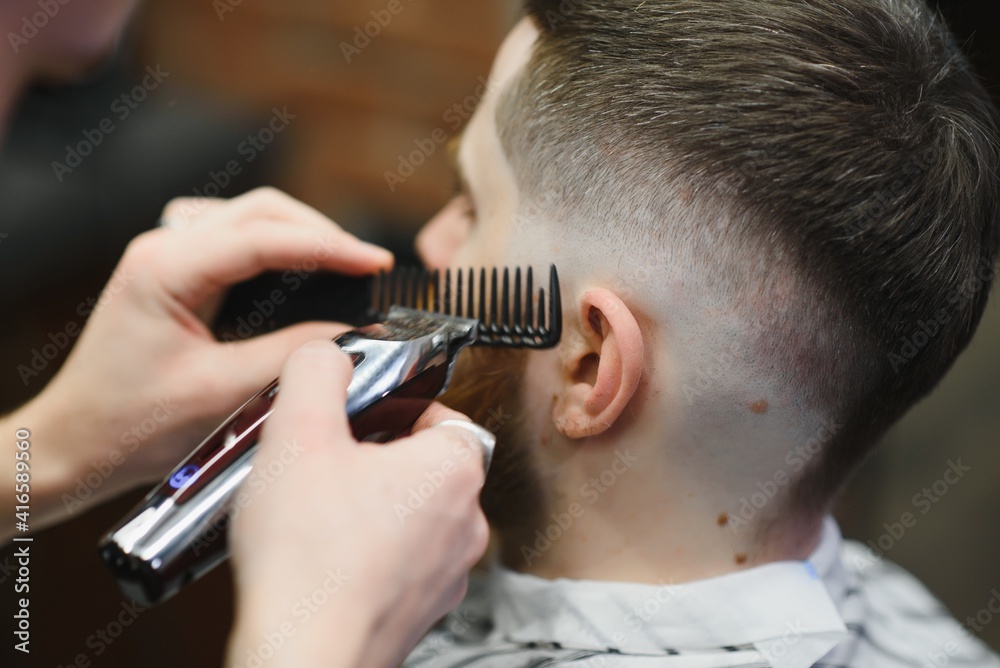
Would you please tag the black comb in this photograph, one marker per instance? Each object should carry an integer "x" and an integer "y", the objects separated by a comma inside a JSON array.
[{"x": 507, "y": 317}]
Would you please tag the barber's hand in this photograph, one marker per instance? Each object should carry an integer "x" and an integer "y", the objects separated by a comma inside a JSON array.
[
  {"x": 346, "y": 554},
  {"x": 147, "y": 380}
]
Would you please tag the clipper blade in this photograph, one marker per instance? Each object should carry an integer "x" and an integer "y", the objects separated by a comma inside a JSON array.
[{"x": 511, "y": 317}]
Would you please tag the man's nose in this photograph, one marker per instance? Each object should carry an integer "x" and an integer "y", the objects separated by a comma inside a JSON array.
[{"x": 439, "y": 240}]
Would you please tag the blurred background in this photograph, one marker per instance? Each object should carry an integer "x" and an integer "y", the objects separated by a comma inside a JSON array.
[{"x": 227, "y": 69}]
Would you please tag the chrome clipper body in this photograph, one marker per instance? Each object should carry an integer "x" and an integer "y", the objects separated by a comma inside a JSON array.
[{"x": 178, "y": 532}]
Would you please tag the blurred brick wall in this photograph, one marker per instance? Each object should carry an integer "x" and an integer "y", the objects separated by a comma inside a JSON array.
[{"x": 358, "y": 109}]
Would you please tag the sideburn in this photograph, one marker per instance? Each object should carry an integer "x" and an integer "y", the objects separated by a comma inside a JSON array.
[{"x": 487, "y": 386}]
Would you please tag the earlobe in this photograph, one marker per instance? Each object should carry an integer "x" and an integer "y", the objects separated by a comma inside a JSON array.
[{"x": 603, "y": 368}]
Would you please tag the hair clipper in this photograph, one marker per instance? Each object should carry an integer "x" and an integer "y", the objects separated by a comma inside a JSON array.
[{"x": 401, "y": 363}]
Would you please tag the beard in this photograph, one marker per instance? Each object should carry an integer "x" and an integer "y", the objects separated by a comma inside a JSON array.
[{"x": 487, "y": 386}]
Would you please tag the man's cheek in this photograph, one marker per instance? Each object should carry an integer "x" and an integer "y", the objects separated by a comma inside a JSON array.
[{"x": 468, "y": 255}]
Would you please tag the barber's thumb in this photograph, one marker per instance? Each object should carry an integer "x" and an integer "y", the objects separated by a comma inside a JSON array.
[
  {"x": 310, "y": 409},
  {"x": 257, "y": 361}
]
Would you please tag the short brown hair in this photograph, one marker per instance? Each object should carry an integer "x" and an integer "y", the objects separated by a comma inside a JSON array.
[{"x": 847, "y": 140}]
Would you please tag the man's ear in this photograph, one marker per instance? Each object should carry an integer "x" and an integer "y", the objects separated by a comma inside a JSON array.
[{"x": 603, "y": 366}]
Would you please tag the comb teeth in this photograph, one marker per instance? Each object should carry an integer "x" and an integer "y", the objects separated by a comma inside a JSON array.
[{"x": 503, "y": 321}]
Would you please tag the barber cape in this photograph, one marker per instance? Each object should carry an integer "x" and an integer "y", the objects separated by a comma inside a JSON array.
[{"x": 842, "y": 607}]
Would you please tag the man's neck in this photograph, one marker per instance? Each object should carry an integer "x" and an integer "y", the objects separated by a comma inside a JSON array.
[{"x": 621, "y": 514}]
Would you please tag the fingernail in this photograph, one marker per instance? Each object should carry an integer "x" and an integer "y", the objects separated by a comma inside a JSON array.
[
  {"x": 320, "y": 347},
  {"x": 487, "y": 441},
  {"x": 382, "y": 254}
]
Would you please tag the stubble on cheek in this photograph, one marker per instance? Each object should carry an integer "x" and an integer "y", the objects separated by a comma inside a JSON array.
[{"x": 487, "y": 386}]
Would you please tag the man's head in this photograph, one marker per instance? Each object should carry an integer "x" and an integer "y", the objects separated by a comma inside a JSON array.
[
  {"x": 55, "y": 41},
  {"x": 776, "y": 222}
]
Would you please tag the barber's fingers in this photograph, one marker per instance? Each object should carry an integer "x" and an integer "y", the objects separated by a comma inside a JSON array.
[
  {"x": 446, "y": 447},
  {"x": 473, "y": 436},
  {"x": 247, "y": 365},
  {"x": 181, "y": 212},
  {"x": 263, "y": 202},
  {"x": 434, "y": 414},
  {"x": 214, "y": 258},
  {"x": 311, "y": 405},
  {"x": 262, "y": 230}
]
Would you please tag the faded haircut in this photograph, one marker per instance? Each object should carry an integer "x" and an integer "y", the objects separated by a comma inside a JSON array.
[{"x": 842, "y": 158}]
